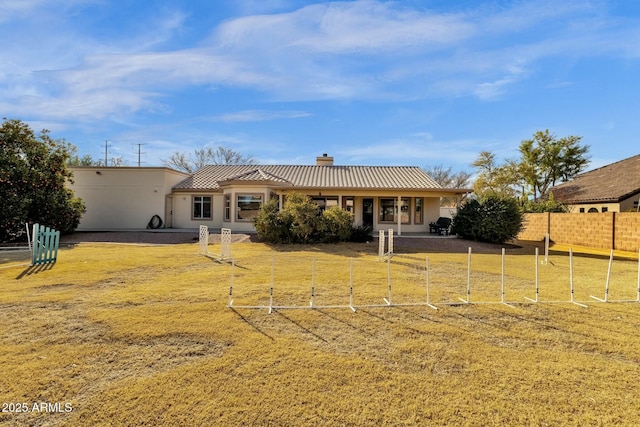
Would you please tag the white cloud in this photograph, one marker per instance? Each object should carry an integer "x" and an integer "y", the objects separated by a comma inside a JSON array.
[
  {"x": 340, "y": 50},
  {"x": 260, "y": 115},
  {"x": 346, "y": 27}
]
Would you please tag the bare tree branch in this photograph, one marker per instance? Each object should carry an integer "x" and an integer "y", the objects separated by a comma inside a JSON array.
[{"x": 183, "y": 161}]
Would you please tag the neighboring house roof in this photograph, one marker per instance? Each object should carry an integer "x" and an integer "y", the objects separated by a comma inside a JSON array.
[
  {"x": 313, "y": 176},
  {"x": 608, "y": 184}
]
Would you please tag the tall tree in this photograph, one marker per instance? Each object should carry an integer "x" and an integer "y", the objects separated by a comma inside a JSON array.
[
  {"x": 87, "y": 160},
  {"x": 547, "y": 160},
  {"x": 33, "y": 174},
  {"x": 184, "y": 161},
  {"x": 447, "y": 178},
  {"x": 493, "y": 179}
]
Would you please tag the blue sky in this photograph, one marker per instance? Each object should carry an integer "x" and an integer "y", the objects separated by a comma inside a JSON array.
[{"x": 412, "y": 82}]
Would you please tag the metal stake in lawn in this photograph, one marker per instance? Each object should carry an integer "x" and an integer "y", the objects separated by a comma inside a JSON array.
[
  {"x": 503, "y": 301},
  {"x": 233, "y": 267},
  {"x": 606, "y": 286},
  {"x": 536, "y": 280},
  {"x": 388, "y": 301},
  {"x": 351, "y": 285},
  {"x": 426, "y": 264},
  {"x": 571, "y": 278},
  {"x": 546, "y": 249},
  {"x": 273, "y": 261},
  {"x": 313, "y": 280},
  {"x": 468, "y": 279}
]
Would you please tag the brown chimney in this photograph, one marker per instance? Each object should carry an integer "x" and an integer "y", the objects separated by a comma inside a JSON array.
[{"x": 324, "y": 160}]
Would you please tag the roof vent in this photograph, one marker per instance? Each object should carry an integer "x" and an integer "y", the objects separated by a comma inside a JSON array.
[{"x": 325, "y": 160}]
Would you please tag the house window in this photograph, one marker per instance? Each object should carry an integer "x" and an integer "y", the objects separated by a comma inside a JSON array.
[
  {"x": 389, "y": 208},
  {"x": 325, "y": 202},
  {"x": 201, "y": 207},
  {"x": 227, "y": 207},
  {"x": 405, "y": 215},
  {"x": 592, "y": 210},
  {"x": 581, "y": 210},
  {"x": 248, "y": 206},
  {"x": 419, "y": 212},
  {"x": 348, "y": 203},
  {"x": 605, "y": 209}
]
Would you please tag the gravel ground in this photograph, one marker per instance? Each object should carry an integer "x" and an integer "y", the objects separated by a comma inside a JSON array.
[{"x": 159, "y": 237}]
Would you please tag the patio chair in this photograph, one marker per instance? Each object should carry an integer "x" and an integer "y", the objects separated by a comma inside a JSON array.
[{"x": 441, "y": 226}]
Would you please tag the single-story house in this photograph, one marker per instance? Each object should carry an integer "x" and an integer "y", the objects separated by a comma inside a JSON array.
[
  {"x": 404, "y": 198},
  {"x": 611, "y": 188}
]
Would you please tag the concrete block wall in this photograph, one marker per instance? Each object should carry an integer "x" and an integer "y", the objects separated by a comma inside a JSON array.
[
  {"x": 627, "y": 231},
  {"x": 536, "y": 225},
  {"x": 583, "y": 229},
  {"x": 609, "y": 230}
]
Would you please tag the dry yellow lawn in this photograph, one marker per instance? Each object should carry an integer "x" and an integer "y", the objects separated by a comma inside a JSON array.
[{"x": 142, "y": 335}]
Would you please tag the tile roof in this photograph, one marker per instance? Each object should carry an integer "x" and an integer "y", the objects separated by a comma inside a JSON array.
[
  {"x": 312, "y": 176},
  {"x": 611, "y": 183},
  {"x": 255, "y": 175}
]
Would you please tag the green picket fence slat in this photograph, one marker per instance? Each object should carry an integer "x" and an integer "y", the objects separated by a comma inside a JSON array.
[{"x": 45, "y": 244}]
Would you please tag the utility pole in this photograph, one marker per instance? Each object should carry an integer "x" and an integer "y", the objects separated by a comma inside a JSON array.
[
  {"x": 139, "y": 152},
  {"x": 106, "y": 152}
]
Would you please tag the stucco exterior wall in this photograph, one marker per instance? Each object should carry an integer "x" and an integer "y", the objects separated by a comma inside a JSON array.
[
  {"x": 630, "y": 204},
  {"x": 627, "y": 205},
  {"x": 183, "y": 210},
  {"x": 584, "y": 208},
  {"x": 122, "y": 197}
]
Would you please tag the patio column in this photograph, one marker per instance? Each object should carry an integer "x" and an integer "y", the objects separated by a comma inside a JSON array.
[
  {"x": 399, "y": 215},
  {"x": 280, "y": 204}
]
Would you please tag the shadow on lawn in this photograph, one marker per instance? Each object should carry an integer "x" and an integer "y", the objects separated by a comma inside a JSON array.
[
  {"x": 346, "y": 249},
  {"x": 248, "y": 322},
  {"x": 299, "y": 325},
  {"x": 35, "y": 269}
]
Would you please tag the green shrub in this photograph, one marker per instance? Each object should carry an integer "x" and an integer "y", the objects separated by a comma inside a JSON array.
[
  {"x": 336, "y": 224},
  {"x": 548, "y": 205},
  {"x": 495, "y": 220},
  {"x": 300, "y": 221},
  {"x": 270, "y": 226},
  {"x": 303, "y": 216}
]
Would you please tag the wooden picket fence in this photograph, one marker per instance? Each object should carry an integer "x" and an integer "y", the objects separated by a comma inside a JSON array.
[{"x": 45, "y": 245}]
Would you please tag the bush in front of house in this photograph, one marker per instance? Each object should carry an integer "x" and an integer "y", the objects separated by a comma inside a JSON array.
[
  {"x": 300, "y": 221},
  {"x": 269, "y": 224},
  {"x": 336, "y": 224},
  {"x": 494, "y": 220}
]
